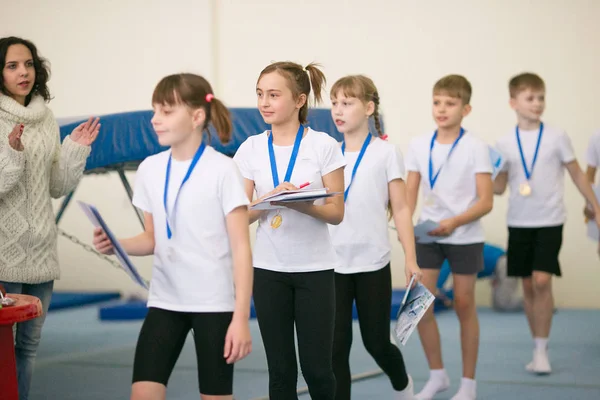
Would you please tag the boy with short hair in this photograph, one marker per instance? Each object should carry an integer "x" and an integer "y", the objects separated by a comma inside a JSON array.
[
  {"x": 536, "y": 156},
  {"x": 458, "y": 190}
]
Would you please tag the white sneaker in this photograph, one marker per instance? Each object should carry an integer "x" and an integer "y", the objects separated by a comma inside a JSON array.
[
  {"x": 540, "y": 364},
  {"x": 407, "y": 393},
  {"x": 433, "y": 387},
  {"x": 463, "y": 395}
]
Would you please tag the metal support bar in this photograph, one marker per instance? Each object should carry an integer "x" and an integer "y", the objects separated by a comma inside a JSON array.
[
  {"x": 129, "y": 191},
  {"x": 63, "y": 206}
]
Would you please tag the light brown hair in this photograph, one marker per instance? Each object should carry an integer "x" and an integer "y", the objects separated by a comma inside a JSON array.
[
  {"x": 454, "y": 86},
  {"x": 363, "y": 88},
  {"x": 195, "y": 92},
  {"x": 524, "y": 81},
  {"x": 300, "y": 81}
]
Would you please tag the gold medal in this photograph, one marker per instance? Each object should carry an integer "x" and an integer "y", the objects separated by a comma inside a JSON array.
[
  {"x": 525, "y": 189},
  {"x": 429, "y": 200},
  {"x": 276, "y": 221}
]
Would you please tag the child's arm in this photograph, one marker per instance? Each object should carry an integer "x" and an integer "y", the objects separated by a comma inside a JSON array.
[
  {"x": 403, "y": 220},
  {"x": 585, "y": 188},
  {"x": 332, "y": 212},
  {"x": 253, "y": 215},
  {"x": 140, "y": 245},
  {"x": 592, "y": 153},
  {"x": 500, "y": 183},
  {"x": 413, "y": 181},
  {"x": 591, "y": 174},
  {"x": 238, "y": 342},
  {"x": 484, "y": 204}
]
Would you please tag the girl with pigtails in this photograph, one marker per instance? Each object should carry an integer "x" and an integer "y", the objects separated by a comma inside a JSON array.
[{"x": 375, "y": 185}]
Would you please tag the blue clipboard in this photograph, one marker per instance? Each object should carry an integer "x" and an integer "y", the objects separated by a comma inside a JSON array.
[{"x": 96, "y": 219}]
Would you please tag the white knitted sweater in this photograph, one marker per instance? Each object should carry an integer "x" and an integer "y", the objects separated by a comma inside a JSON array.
[{"x": 28, "y": 180}]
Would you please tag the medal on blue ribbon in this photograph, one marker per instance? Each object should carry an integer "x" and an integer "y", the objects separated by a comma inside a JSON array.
[
  {"x": 171, "y": 251},
  {"x": 277, "y": 220},
  {"x": 358, "y": 160},
  {"x": 433, "y": 178},
  {"x": 525, "y": 187}
]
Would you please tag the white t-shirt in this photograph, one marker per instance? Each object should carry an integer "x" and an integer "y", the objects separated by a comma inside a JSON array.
[
  {"x": 302, "y": 243},
  {"x": 545, "y": 205},
  {"x": 200, "y": 279},
  {"x": 361, "y": 240},
  {"x": 593, "y": 151},
  {"x": 455, "y": 190}
]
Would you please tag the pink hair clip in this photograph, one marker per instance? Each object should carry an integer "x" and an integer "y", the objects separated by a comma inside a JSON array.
[
  {"x": 384, "y": 137},
  {"x": 209, "y": 97}
]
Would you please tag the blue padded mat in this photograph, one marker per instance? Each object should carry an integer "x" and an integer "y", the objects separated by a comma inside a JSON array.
[
  {"x": 136, "y": 310},
  {"x": 62, "y": 300},
  {"x": 129, "y": 137}
]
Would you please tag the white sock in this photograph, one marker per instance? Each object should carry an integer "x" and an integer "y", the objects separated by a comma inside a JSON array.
[
  {"x": 541, "y": 343},
  {"x": 438, "y": 382},
  {"x": 467, "y": 390},
  {"x": 468, "y": 384},
  {"x": 438, "y": 374}
]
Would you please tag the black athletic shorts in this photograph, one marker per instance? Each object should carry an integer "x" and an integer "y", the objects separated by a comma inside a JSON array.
[
  {"x": 162, "y": 338},
  {"x": 533, "y": 249}
]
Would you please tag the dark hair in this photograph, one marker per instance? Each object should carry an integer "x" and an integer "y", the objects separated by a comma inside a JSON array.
[
  {"x": 362, "y": 88},
  {"x": 524, "y": 81},
  {"x": 300, "y": 79},
  {"x": 195, "y": 92},
  {"x": 41, "y": 65},
  {"x": 454, "y": 86}
]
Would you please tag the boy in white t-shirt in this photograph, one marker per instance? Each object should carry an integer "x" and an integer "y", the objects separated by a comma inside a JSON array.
[
  {"x": 536, "y": 157},
  {"x": 453, "y": 168}
]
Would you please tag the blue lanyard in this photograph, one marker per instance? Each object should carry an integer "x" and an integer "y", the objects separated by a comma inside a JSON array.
[
  {"x": 293, "y": 157},
  {"x": 187, "y": 176},
  {"x": 358, "y": 160},
  {"x": 537, "y": 148},
  {"x": 433, "y": 178}
]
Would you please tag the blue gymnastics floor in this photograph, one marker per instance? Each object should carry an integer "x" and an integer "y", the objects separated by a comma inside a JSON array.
[{"x": 82, "y": 358}]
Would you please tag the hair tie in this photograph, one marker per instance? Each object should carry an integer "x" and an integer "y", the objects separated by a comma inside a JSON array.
[{"x": 209, "y": 97}]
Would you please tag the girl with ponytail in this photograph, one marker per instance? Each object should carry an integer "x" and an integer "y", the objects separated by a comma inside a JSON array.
[
  {"x": 294, "y": 258},
  {"x": 196, "y": 226}
]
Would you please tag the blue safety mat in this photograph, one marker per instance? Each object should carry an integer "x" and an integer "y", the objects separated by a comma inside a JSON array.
[
  {"x": 136, "y": 310},
  {"x": 62, "y": 300},
  {"x": 129, "y": 137}
]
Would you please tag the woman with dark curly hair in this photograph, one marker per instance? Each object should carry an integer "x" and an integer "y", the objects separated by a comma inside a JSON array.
[{"x": 34, "y": 168}]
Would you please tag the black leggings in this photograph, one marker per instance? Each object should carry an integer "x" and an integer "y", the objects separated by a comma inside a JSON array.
[
  {"x": 373, "y": 294},
  {"x": 308, "y": 300}
]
